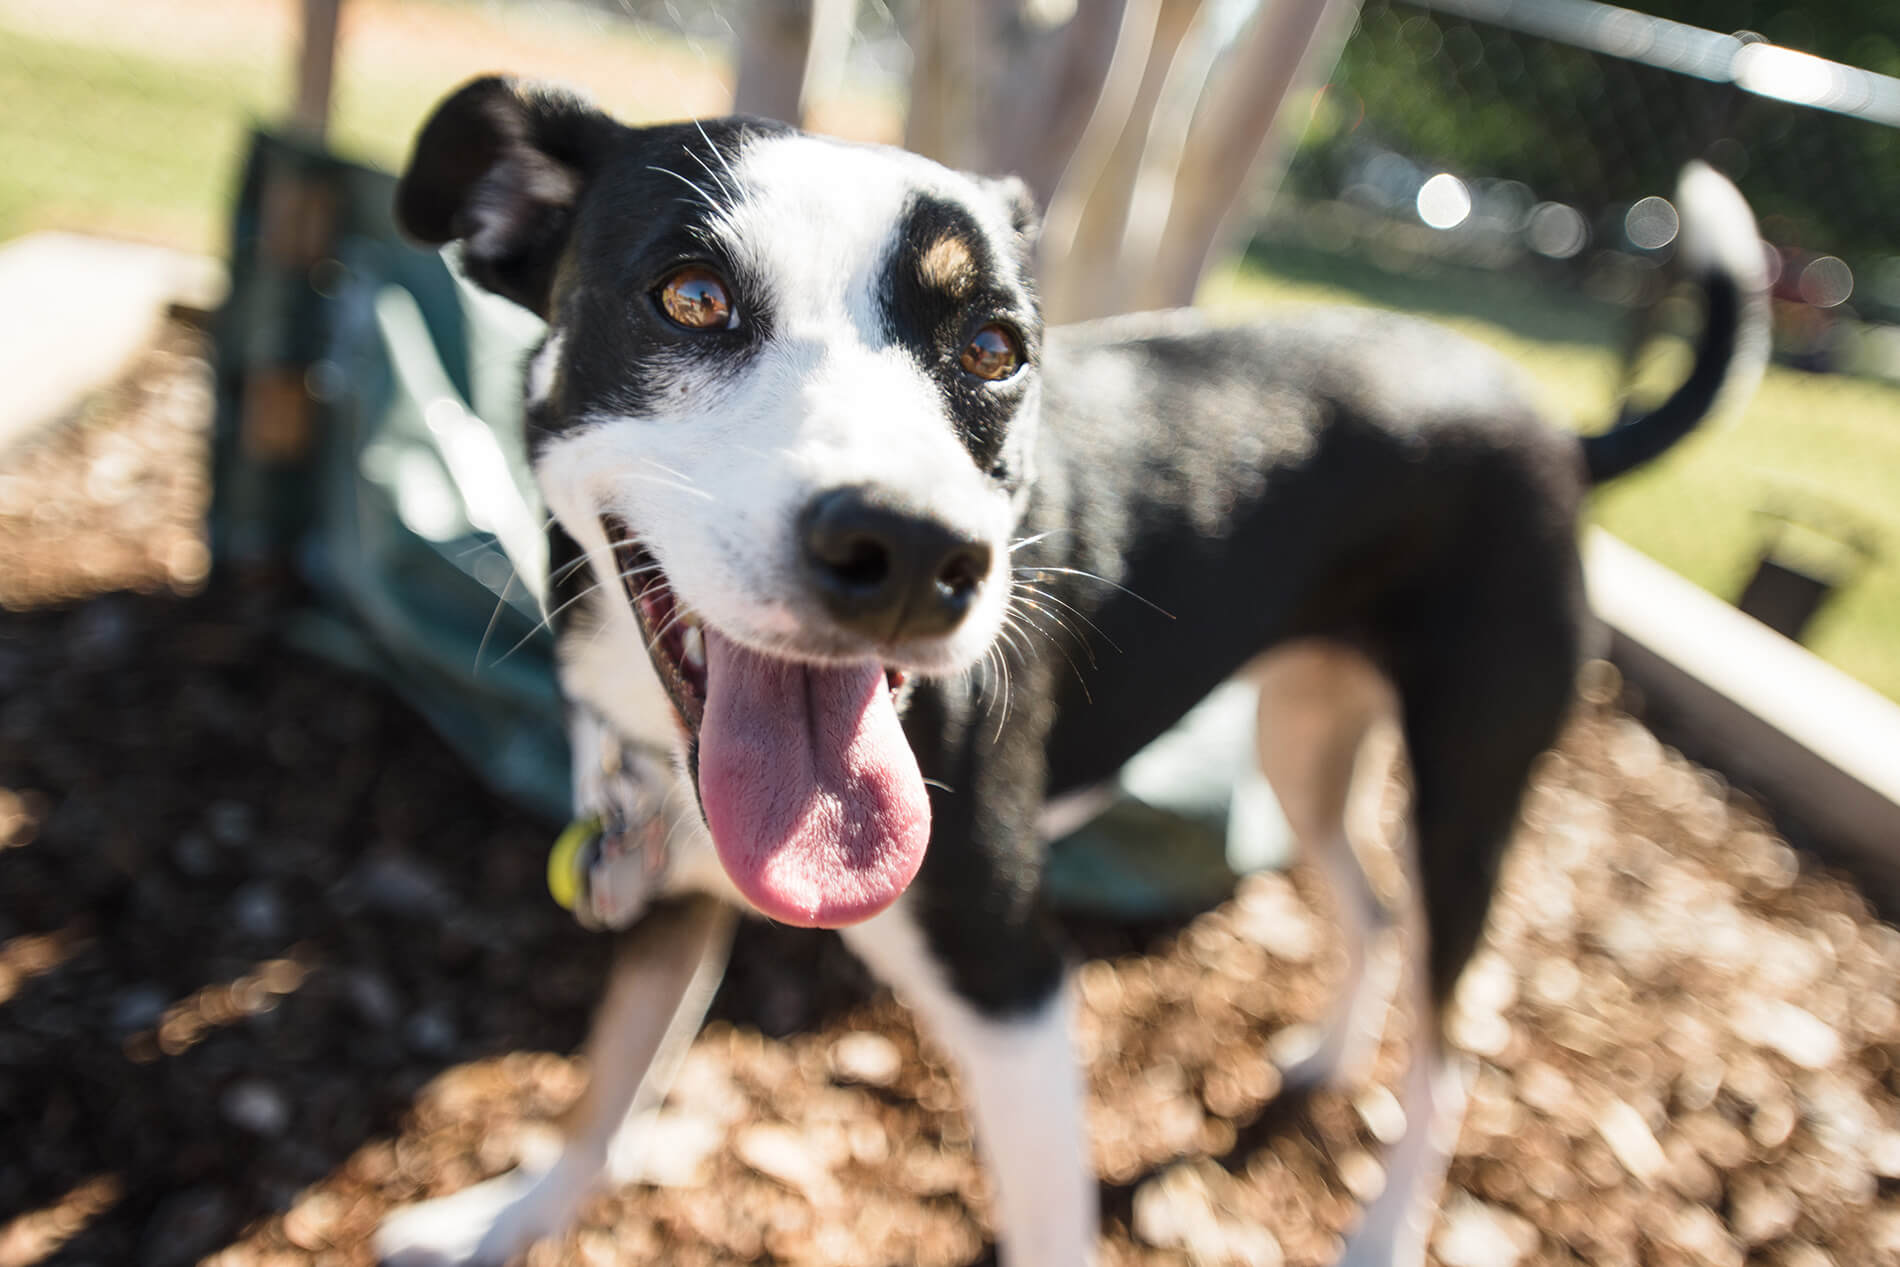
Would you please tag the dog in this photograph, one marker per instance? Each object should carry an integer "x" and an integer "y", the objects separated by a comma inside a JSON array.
[{"x": 833, "y": 515}]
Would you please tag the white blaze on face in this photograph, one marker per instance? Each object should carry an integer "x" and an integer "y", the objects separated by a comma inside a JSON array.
[{"x": 842, "y": 403}]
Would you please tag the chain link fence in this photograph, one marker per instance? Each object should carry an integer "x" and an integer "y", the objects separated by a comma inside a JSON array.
[{"x": 1497, "y": 135}]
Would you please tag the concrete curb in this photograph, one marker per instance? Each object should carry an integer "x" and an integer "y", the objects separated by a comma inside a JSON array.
[{"x": 1819, "y": 747}]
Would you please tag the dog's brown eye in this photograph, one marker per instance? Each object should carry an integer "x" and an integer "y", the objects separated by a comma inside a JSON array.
[
  {"x": 992, "y": 354},
  {"x": 695, "y": 299}
]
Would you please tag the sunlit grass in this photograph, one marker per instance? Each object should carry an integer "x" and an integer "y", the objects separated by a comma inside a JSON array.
[
  {"x": 116, "y": 143},
  {"x": 125, "y": 132}
]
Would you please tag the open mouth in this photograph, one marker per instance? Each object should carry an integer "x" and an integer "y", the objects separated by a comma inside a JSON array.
[
  {"x": 807, "y": 783},
  {"x": 675, "y": 634}
]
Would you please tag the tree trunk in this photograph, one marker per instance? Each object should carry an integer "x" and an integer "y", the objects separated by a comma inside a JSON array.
[
  {"x": 1090, "y": 215},
  {"x": 1289, "y": 44},
  {"x": 1008, "y": 86},
  {"x": 1132, "y": 124},
  {"x": 787, "y": 51}
]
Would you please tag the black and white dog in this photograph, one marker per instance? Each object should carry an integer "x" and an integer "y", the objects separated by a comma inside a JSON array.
[{"x": 832, "y": 511}]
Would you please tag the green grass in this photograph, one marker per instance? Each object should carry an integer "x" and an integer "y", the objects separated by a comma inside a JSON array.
[
  {"x": 1806, "y": 440},
  {"x": 114, "y": 138},
  {"x": 113, "y": 142}
]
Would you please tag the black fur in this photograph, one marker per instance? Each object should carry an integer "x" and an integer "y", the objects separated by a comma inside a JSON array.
[
  {"x": 1638, "y": 438},
  {"x": 936, "y": 321}
]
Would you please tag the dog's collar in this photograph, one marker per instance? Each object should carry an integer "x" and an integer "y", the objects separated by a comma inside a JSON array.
[{"x": 563, "y": 859}]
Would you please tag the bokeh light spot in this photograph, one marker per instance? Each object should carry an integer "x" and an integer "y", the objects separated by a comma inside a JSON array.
[{"x": 1444, "y": 202}]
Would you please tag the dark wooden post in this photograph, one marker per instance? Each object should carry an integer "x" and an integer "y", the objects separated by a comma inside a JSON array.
[{"x": 316, "y": 67}]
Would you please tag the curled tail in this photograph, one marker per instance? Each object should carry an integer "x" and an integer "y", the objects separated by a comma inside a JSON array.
[{"x": 1722, "y": 252}]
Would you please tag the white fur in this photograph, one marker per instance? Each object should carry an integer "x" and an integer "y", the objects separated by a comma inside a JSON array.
[
  {"x": 602, "y": 659},
  {"x": 661, "y": 847},
  {"x": 1397, "y": 1225},
  {"x": 487, "y": 1224},
  {"x": 542, "y": 367},
  {"x": 1022, "y": 1081},
  {"x": 1719, "y": 235},
  {"x": 1338, "y": 1053}
]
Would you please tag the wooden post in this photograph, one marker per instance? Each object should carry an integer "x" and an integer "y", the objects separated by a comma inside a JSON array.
[{"x": 316, "y": 67}]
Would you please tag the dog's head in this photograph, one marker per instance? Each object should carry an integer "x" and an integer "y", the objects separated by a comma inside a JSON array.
[{"x": 788, "y": 398}]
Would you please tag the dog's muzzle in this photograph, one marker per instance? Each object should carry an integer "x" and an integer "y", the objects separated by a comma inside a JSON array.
[{"x": 887, "y": 572}]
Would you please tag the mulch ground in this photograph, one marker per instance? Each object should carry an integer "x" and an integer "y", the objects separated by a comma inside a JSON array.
[{"x": 271, "y": 962}]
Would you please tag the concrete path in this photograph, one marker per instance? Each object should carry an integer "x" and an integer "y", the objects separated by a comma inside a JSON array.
[{"x": 75, "y": 310}]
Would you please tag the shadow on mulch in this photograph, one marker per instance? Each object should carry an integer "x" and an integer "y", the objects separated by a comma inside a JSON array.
[{"x": 249, "y": 906}]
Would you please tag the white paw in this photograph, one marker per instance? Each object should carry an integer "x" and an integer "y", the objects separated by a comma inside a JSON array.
[{"x": 483, "y": 1226}]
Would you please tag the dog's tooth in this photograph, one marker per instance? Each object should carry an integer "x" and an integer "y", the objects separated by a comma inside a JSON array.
[{"x": 693, "y": 644}]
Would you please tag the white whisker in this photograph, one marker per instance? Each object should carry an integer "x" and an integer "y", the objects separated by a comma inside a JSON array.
[
  {"x": 1074, "y": 668},
  {"x": 704, "y": 197},
  {"x": 546, "y": 623},
  {"x": 724, "y": 162},
  {"x": 706, "y": 167},
  {"x": 1037, "y": 573},
  {"x": 1072, "y": 609},
  {"x": 1060, "y": 623},
  {"x": 665, "y": 483},
  {"x": 501, "y": 601},
  {"x": 661, "y": 466},
  {"x": 1030, "y": 541}
]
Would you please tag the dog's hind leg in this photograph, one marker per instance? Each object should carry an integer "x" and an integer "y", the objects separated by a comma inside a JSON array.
[
  {"x": 1484, "y": 671},
  {"x": 665, "y": 971},
  {"x": 1397, "y": 1225},
  {"x": 1325, "y": 743},
  {"x": 1022, "y": 1080}
]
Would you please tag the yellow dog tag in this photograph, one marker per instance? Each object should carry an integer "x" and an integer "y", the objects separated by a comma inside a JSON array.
[{"x": 563, "y": 873}]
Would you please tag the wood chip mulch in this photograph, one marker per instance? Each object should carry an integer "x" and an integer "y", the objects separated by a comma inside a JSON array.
[{"x": 271, "y": 962}]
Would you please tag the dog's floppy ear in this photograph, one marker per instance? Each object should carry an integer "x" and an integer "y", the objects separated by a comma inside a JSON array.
[{"x": 501, "y": 166}]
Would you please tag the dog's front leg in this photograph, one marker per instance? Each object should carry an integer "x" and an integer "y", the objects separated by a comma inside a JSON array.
[
  {"x": 1022, "y": 1083},
  {"x": 969, "y": 951},
  {"x": 665, "y": 971}
]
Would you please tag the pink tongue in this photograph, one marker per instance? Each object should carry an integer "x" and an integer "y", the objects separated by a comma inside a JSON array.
[{"x": 812, "y": 793}]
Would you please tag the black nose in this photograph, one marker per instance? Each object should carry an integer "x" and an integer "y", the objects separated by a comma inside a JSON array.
[{"x": 888, "y": 572}]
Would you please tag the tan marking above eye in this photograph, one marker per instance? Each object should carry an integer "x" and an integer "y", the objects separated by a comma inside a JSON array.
[
  {"x": 992, "y": 354},
  {"x": 695, "y": 298},
  {"x": 947, "y": 264}
]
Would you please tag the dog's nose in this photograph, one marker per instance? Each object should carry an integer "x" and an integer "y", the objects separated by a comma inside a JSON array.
[{"x": 888, "y": 572}]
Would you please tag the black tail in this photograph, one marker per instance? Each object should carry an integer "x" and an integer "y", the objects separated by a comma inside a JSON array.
[{"x": 1720, "y": 245}]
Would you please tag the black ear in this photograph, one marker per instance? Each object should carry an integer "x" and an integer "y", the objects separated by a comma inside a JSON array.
[{"x": 501, "y": 166}]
